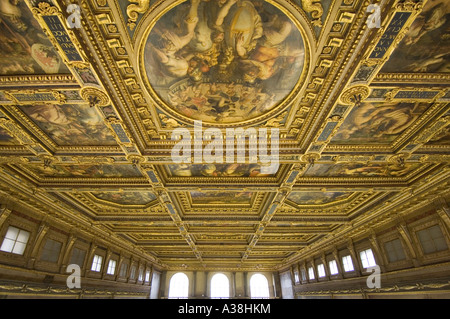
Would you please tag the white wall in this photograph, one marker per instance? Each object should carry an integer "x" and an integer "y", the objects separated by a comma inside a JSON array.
[{"x": 287, "y": 291}]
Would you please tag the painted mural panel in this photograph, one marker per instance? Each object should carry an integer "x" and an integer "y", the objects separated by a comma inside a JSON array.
[
  {"x": 224, "y": 61},
  {"x": 85, "y": 171},
  {"x": 126, "y": 198},
  {"x": 24, "y": 48},
  {"x": 441, "y": 138},
  {"x": 216, "y": 170},
  {"x": 377, "y": 123},
  {"x": 426, "y": 46},
  {"x": 71, "y": 124},
  {"x": 317, "y": 198},
  {"x": 360, "y": 170},
  {"x": 217, "y": 197},
  {"x": 5, "y": 138}
]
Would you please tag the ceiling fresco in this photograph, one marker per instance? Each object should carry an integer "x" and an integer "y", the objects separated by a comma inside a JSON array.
[
  {"x": 88, "y": 117},
  {"x": 224, "y": 61}
]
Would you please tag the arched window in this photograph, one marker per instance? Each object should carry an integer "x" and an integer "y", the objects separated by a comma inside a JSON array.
[
  {"x": 179, "y": 286},
  {"x": 259, "y": 286},
  {"x": 220, "y": 286}
]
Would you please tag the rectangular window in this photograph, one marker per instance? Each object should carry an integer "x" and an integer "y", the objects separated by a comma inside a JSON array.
[
  {"x": 147, "y": 276},
  {"x": 141, "y": 274},
  {"x": 394, "y": 250},
  {"x": 303, "y": 274},
  {"x": 296, "y": 277},
  {"x": 111, "y": 267},
  {"x": 77, "y": 257},
  {"x": 133, "y": 272},
  {"x": 432, "y": 239},
  {"x": 367, "y": 258},
  {"x": 15, "y": 240},
  {"x": 123, "y": 270},
  {"x": 311, "y": 273},
  {"x": 333, "y": 267},
  {"x": 51, "y": 250},
  {"x": 97, "y": 263},
  {"x": 347, "y": 263},
  {"x": 321, "y": 270}
]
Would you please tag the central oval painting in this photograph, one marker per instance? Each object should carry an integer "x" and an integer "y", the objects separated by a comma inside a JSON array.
[{"x": 224, "y": 61}]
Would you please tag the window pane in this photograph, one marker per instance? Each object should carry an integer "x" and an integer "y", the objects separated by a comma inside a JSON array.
[
  {"x": 19, "y": 248},
  {"x": 8, "y": 245},
  {"x": 23, "y": 236},
  {"x": 12, "y": 233}
]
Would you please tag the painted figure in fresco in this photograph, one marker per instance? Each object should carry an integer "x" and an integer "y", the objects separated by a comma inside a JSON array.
[
  {"x": 262, "y": 63},
  {"x": 68, "y": 124},
  {"x": 423, "y": 25},
  {"x": 171, "y": 42}
]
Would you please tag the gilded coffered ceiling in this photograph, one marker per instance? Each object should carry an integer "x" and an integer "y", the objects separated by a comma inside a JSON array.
[{"x": 88, "y": 111}]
